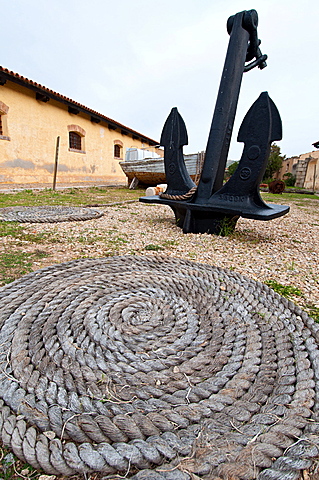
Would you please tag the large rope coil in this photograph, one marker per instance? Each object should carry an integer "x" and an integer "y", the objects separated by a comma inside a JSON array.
[
  {"x": 157, "y": 368},
  {"x": 48, "y": 214}
]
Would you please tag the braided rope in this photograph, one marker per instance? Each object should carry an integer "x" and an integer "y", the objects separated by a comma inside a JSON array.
[
  {"x": 157, "y": 368},
  {"x": 47, "y": 214},
  {"x": 185, "y": 196}
]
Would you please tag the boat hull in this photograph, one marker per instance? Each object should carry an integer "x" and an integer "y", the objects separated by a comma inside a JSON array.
[{"x": 151, "y": 171}]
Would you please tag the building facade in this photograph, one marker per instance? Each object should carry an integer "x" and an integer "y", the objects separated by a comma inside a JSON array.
[
  {"x": 43, "y": 132},
  {"x": 305, "y": 168}
]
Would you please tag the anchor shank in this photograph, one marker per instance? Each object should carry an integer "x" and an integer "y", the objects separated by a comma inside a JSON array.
[{"x": 224, "y": 114}]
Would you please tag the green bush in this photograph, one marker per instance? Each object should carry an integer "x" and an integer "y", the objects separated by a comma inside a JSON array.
[{"x": 290, "y": 179}]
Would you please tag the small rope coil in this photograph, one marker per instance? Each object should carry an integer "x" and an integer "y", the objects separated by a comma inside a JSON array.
[{"x": 157, "y": 368}]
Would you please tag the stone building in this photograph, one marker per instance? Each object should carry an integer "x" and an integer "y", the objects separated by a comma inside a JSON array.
[
  {"x": 90, "y": 145},
  {"x": 305, "y": 168}
]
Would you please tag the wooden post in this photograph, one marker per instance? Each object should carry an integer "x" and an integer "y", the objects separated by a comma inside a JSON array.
[
  {"x": 134, "y": 183},
  {"x": 56, "y": 162}
]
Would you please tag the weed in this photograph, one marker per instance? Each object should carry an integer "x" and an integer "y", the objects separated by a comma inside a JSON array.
[
  {"x": 88, "y": 239},
  {"x": 12, "y": 229},
  {"x": 291, "y": 266},
  {"x": 8, "y": 462},
  {"x": 16, "y": 231},
  {"x": 287, "y": 291},
  {"x": 120, "y": 240},
  {"x": 14, "y": 265},
  {"x": 11, "y": 468},
  {"x": 169, "y": 243},
  {"x": 227, "y": 226},
  {"x": 73, "y": 191},
  {"x": 151, "y": 246},
  {"x": 313, "y": 311}
]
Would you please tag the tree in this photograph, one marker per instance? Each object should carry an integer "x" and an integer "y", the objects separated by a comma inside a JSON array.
[
  {"x": 231, "y": 169},
  {"x": 274, "y": 162}
]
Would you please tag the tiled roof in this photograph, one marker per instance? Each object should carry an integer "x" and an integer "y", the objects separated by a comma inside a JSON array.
[{"x": 6, "y": 74}]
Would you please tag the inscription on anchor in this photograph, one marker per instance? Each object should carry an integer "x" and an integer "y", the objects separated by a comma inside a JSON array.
[{"x": 231, "y": 198}]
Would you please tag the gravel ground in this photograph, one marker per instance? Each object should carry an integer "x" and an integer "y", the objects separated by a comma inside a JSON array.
[{"x": 285, "y": 249}]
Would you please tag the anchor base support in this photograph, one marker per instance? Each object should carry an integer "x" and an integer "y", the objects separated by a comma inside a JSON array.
[
  {"x": 192, "y": 221},
  {"x": 217, "y": 219}
]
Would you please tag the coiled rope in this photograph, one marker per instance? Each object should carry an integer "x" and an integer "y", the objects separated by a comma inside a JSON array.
[
  {"x": 47, "y": 214},
  {"x": 157, "y": 368}
]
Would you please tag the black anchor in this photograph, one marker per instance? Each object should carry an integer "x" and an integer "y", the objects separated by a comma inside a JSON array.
[{"x": 213, "y": 207}]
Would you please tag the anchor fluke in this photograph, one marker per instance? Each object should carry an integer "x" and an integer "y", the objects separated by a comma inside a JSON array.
[
  {"x": 260, "y": 127},
  {"x": 174, "y": 133},
  {"x": 261, "y": 120},
  {"x": 173, "y": 138}
]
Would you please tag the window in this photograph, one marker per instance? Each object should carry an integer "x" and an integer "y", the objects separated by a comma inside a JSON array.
[
  {"x": 75, "y": 141},
  {"x": 117, "y": 151}
]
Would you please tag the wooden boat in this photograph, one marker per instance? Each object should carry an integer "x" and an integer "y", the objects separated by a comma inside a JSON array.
[{"x": 151, "y": 171}]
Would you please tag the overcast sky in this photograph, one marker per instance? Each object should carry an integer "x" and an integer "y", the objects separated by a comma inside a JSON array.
[{"x": 133, "y": 60}]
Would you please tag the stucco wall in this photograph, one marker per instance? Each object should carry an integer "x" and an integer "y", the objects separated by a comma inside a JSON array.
[
  {"x": 313, "y": 154},
  {"x": 312, "y": 175},
  {"x": 28, "y": 144},
  {"x": 306, "y": 169},
  {"x": 287, "y": 167}
]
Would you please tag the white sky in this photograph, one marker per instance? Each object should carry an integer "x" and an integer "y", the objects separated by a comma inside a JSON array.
[{"x": 133, "y": 60}]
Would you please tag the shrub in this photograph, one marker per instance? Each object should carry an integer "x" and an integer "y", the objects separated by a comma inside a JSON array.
[{"x": 290, "y": 179}]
